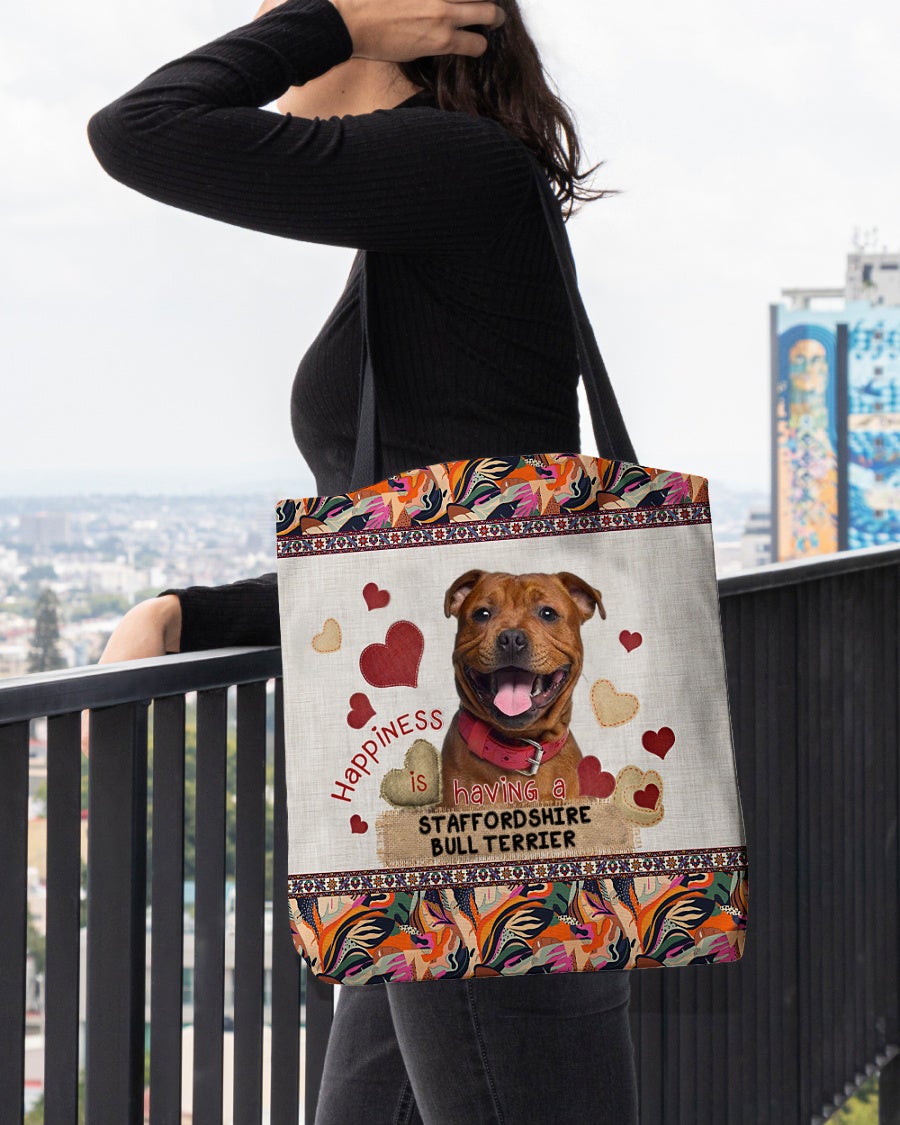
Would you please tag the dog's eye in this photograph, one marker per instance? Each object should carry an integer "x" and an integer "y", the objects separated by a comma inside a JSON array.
[
  {"x": 548, "y": 613},
  {"x": 481, "y": 614}
]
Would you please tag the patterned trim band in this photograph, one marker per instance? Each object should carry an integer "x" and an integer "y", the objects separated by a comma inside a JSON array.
[
  {"x": 451, "y": 496},
  {"x": 625, "y": 519},
  {"x": 500, "y": 874}
]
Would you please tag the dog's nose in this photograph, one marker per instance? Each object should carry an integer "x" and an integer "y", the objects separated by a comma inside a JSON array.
[{"x": 511, "y": 642}]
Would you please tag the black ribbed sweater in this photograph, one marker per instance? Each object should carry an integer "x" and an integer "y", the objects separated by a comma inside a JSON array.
[{"x": 469, "y": 321}]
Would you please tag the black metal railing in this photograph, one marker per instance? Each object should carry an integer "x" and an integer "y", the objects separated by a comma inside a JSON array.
[
  {"x": 118, "y": 697},
  {"x": 780, "y": 1037}
]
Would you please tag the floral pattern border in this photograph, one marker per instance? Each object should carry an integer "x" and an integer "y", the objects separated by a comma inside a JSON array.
[
  {"x": 540, "y": 926},
  {"x": 501, "y": 490}
]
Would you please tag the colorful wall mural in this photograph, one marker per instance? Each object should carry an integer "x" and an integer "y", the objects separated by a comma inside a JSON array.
[
  {"x": 806, "y": 487},
  {"x": 815, "y": 420},
  {"x": 873, "y": 427}
]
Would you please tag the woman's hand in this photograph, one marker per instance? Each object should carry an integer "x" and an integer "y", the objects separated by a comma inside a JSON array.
[
  {"x": 403, "y": 30},
  {"x": 410, "y": 29}
]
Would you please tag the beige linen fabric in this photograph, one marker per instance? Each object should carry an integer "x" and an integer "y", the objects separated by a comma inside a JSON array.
[{"x": 659, "y": 582}]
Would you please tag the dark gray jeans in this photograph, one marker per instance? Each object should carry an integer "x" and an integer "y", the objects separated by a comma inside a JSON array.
[{"x": 489, "y": 1051}]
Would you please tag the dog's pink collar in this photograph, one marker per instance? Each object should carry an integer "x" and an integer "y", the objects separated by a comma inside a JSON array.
[{"x": 484, "y": 744}]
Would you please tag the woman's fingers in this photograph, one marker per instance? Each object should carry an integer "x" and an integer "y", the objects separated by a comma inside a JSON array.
[
  {"x": 478, "y": 13},
  {"x": 469, "y": 14},
  {"x": 474, "y": 14},
  {"x": 408, "y": 29},
  {"x": 467, "y": 43}
]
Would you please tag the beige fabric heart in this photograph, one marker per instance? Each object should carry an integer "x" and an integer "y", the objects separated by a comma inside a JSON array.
[
  {"x": 418, "y": 783},
  {"x": 639, "y": 795},
  {"x": 329, "y": 640},
  {"x": 612, "y": 708}
]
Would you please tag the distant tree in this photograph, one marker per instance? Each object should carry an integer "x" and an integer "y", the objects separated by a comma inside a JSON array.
[{"x": 45, "y": 655}]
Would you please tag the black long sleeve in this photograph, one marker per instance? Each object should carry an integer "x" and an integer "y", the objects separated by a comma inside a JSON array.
[
  {"x": 192, "y": 135},
  {"x": 238, "y": 613}
]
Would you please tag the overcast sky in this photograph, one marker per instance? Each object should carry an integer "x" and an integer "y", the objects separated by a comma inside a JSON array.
[{"x": 145, "y": 348}]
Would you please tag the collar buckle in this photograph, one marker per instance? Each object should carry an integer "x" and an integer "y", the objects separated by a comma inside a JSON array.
[{"x": 534, "y": 764}]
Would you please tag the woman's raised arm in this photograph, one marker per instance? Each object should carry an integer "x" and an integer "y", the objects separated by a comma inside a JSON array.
[{"x": 192, "y": 135}]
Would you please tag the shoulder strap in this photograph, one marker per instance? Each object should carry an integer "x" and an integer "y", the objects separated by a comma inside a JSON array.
[
  {"x": 609, "y": 427},
  {"x": 610, "y": 433}
]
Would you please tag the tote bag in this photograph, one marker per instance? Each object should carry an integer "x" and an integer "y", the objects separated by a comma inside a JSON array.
[{"x": 508, "y": 744}]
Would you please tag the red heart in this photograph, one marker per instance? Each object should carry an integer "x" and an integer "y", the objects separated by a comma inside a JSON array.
[
  {"x": 361, "y": 710},
  {"x": 593, "y": 780},
  {"x": 396, "y": 662},
  {"x": 659, "y": 742},
  {"x": 357, "y": 824},
  {"x": 375, "y": 598},
  {"x": 630, "y": 641},
  {"x": 647, "y": 797}
]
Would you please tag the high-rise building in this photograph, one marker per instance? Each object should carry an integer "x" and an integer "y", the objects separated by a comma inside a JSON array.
[{"x": 836, "y": 412}]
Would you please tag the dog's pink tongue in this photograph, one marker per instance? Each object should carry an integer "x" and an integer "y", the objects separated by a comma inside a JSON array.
[{"x": 514, "y": 691}]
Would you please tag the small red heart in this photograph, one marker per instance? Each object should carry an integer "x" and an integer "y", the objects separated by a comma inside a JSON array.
[
  {"x": 658, "y": 742},
  {"x": 647, "y": 797},
  {"x": 630, "y": 641},
  {"x": 361, "y": 710},
  {"x": 375, "y": 598},
  {"x": 396, "y": 662},
  {"x": 593, "y": 780},
  {"x": 357, "y": 824}
]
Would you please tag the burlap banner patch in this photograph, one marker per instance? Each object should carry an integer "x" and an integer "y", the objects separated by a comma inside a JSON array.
[{"x": 589, "y": 826}]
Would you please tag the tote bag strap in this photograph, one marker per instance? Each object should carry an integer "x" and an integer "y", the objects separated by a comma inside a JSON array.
[{"x": 610, "y": 433}]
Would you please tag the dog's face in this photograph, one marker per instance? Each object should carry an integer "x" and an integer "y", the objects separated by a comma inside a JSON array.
[{"x": 518, "y": 652}]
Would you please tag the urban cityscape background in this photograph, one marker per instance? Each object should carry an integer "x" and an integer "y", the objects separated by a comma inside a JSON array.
[{"x": 135, "y": 459}]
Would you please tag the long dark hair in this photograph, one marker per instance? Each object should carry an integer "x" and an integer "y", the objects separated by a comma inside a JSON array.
[{"x": 508, "y": 83}]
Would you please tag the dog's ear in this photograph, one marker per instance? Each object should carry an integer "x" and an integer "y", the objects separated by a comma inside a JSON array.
[
  {"x": 459, "y": 591},
  {"x": 583, "y": 595}
]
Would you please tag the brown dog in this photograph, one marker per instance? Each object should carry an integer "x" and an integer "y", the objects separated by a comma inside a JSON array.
[{"x": 517, "y": 658}]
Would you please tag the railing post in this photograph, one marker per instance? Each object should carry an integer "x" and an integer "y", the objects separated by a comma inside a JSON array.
[
  {"x": 889, "y": 1092},
  {"x": 285, "y": 959},
  {"x": 250, "y": 875},
  {"x": 166, "y": 959},
  {"x": 63, "y": 917},
  {"x": 209, "y": 910},
  {"x": 117, "y": 902},
  {"x": 14, "y": 899}
]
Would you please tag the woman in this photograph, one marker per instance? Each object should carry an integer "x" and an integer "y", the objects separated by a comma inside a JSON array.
[{"x": 406, "y": 134}]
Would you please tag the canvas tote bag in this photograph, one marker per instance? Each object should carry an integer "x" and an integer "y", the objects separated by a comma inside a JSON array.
[{"x": 508, "y": 740}]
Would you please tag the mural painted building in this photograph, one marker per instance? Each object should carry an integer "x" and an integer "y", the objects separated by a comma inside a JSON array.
[{"x": 836, "y": 413}]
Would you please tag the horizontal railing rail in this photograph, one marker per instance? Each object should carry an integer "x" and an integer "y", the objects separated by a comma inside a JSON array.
[
  {"x": 781, "y": 1036},
  {"x": 44, "y": 694}
]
